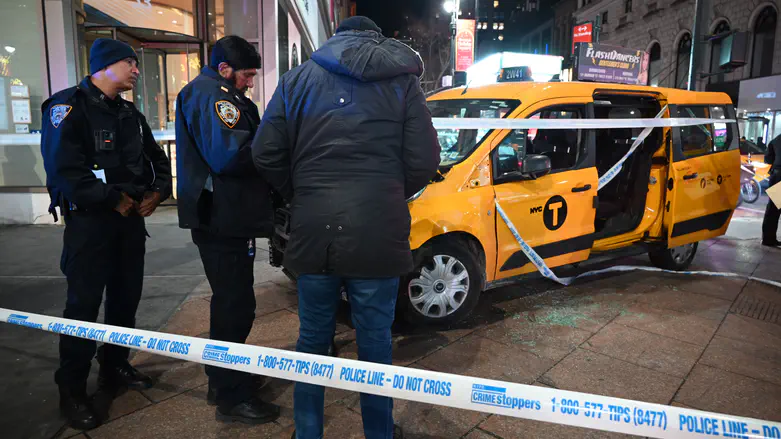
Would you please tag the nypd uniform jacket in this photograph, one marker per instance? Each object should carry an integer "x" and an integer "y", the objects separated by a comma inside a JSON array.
[
  {"x": 219, "y": 189},
  {"x": 94, "y": 149}
]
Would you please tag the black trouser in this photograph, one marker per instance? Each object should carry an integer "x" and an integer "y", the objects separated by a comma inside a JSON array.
[
  {"x": 228, "y": 263},
  {"x": 101, "y": 250},
  {"x": 772, "y": 214}
]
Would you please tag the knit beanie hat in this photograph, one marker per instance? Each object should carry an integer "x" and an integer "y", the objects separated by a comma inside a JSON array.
[
  {"x": 235, "y": 51},
  {"x": 358, "y": 23},
  {"x": 105, "y": 52}
]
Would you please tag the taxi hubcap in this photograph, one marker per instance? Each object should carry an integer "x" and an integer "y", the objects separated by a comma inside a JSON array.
[
  {"x": 681, "y": 254},
  {"x": 441, "y": 287}
]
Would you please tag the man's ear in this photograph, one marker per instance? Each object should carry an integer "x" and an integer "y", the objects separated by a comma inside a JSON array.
[{"x": 225, "y": 70}]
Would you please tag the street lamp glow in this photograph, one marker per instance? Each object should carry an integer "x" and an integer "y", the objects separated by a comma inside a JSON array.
[
  {"x": 10, "y": 49},
  {"x": 449, "y": 6}
]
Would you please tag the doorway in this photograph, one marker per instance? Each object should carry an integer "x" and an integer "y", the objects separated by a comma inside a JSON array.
[{"x": 167, "y": 61}]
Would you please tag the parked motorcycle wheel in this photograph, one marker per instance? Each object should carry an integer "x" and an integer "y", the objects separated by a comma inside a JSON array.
[{"x": 750, "y": 191}]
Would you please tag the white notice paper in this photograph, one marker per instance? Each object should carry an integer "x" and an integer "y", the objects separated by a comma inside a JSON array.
[
  {"x": 20, "y": 109},
  {"x": 100, "y": 174}
]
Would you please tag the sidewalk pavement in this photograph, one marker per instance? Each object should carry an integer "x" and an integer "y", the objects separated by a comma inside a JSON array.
[{"x": 708, "y": 343}]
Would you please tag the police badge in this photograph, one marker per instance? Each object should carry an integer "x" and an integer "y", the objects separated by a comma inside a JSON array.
[
  {"x": 228, "y": 113},
  {"x": 58, "y": 114}
]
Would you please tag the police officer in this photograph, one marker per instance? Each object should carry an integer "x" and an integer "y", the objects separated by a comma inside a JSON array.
[
  {"x": 226, "y": 204},
  {"x": 772, "y": 213},
  {"x": 106, "y": 173}
]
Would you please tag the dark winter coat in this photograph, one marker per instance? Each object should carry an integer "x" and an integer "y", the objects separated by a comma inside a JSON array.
[{"x": 347, "y": 138}]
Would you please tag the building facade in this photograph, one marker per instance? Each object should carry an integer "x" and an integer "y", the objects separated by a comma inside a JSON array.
[
  {"x": 664, "y": 28},
  {"x": 46, "y": 46}
]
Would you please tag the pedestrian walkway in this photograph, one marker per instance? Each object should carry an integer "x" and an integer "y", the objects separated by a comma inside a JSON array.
[{"x": 701, "y": 342}]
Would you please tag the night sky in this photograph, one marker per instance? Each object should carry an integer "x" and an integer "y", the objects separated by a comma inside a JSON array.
[{"x": 389, "y": 15}]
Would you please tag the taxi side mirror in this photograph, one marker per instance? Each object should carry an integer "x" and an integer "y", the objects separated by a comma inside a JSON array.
[{"x": 535, "y": 166}]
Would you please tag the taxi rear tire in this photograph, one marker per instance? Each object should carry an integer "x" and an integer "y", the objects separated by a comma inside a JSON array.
[
  {"x": 676, "y": 258},
  {"x": 445, "y": 286}
]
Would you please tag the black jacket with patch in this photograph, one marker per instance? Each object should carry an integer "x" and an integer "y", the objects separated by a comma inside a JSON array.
[
  {"x": 347, "y": 138},
  {"x": 218, "y": 188},
  {"x": 94, "y": 148}
]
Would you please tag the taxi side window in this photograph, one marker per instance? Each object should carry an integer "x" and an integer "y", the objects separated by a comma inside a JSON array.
[
  {"x": 511, "y": 151},
  {"x": 561, "y": 146},
  {"x": 699, "y": 140}
]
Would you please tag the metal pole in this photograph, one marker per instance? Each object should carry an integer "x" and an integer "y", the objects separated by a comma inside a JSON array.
[
  {"x": 597, "y": 27},
  {"x": 456, "y": 6},
  {"x": 701, "y": 9}
]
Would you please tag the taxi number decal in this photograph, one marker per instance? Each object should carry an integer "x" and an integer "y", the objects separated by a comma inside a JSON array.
[{"x": 228, "y": 113}]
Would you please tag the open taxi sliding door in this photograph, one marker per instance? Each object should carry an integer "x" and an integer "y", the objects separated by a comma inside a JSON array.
[
  {"x": 704, "y": 182},
  {"x": 553, "y": 213}
]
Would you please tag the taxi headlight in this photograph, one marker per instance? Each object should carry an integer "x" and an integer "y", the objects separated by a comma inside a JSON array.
[{"x": 416, "y": 196}]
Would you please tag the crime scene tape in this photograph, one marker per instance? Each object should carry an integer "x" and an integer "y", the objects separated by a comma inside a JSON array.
[
  {"x": 473, "y": 123},
  {"x": 489, "y": 396}
]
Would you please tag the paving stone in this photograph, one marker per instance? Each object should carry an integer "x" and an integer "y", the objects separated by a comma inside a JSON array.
[
  {"x": 720, "y": 287},
  {"x": 270, "y": 297},
  {"x": 191, "y": 318},
  {"x": 723, "y": 265},
  {"x": 584, "y": 307},
  {"x": 550, "y": 335},
  {"x": 507, "y": 427},
  {"x": 590, "y": 372},
  {"x": 173, "y": 376},
  {"x": 769, "y": 271},
  {"x": 646, "y": 349},
  {"x": 716, "y": 390},
  {"x": 420, "y": 420},
  {"x": 276, "y": 330},
  {"x": 764, "y": 292},
  {"x": 669, "y": 323},
  {"x": 185, "y": 416},
  {"x": 687, "y": 302},
  {"x": 280, "y": 392},
  {"x": 480, "y": 357},
  {"x": 343, "y": 423},
  {"x": 729, "y": 250},
  {"x": 744, "y": 358},
  {"x": 479, "y": 434},
  {"x": 407, "y": 348},
  {"x": 748, "y": 330}
]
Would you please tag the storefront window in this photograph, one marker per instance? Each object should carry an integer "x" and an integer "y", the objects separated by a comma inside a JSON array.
[
  {"x": 239, "y": 17},
  {"x": 23, "y": 85},
  {"x": 169, "y": 15}
]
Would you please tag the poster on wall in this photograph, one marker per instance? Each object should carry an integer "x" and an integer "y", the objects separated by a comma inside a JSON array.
[
  {"x": 612, "y": 64},
  {"x": 465, "y": 44},
  {"x": 20, "y": 110},
  {"x": 20, "y": 91}
]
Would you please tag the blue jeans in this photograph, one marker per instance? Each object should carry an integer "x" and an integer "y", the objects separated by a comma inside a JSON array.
[{"x": 373, "y": 303}]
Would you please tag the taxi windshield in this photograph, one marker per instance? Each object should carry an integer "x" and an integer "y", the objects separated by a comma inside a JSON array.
[{"x": 455, "y": 144}]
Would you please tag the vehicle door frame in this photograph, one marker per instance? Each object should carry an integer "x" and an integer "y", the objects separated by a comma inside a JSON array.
[
  {"x": 518, "y": 263},
  {"x": 704, "y": 226}
]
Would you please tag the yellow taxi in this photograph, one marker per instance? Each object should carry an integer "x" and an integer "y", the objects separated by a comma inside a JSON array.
[{"x": 679, "y": 187}]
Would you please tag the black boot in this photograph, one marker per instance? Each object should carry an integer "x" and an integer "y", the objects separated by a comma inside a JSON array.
[
  {"x": 253, "y": 412},
  {"x": 124, "y": 375},
  {"x": 258, "y": 382},
  {"x": 77, "y": 410}
]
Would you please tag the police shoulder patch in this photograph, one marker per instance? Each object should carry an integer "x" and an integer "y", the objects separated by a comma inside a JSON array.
[
  {"x": 58, "y": 113},
  {"x": 228, "y": 113}
]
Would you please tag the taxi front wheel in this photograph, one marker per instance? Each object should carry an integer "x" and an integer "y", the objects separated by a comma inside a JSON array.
[
  {"x": 676, "y": 258},
  {"x": 445, "y": 286}
]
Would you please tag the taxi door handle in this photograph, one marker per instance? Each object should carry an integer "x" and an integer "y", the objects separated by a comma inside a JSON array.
[
  {"x": 690, "y": 176},
  {"x": 582, "y": 188}
]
